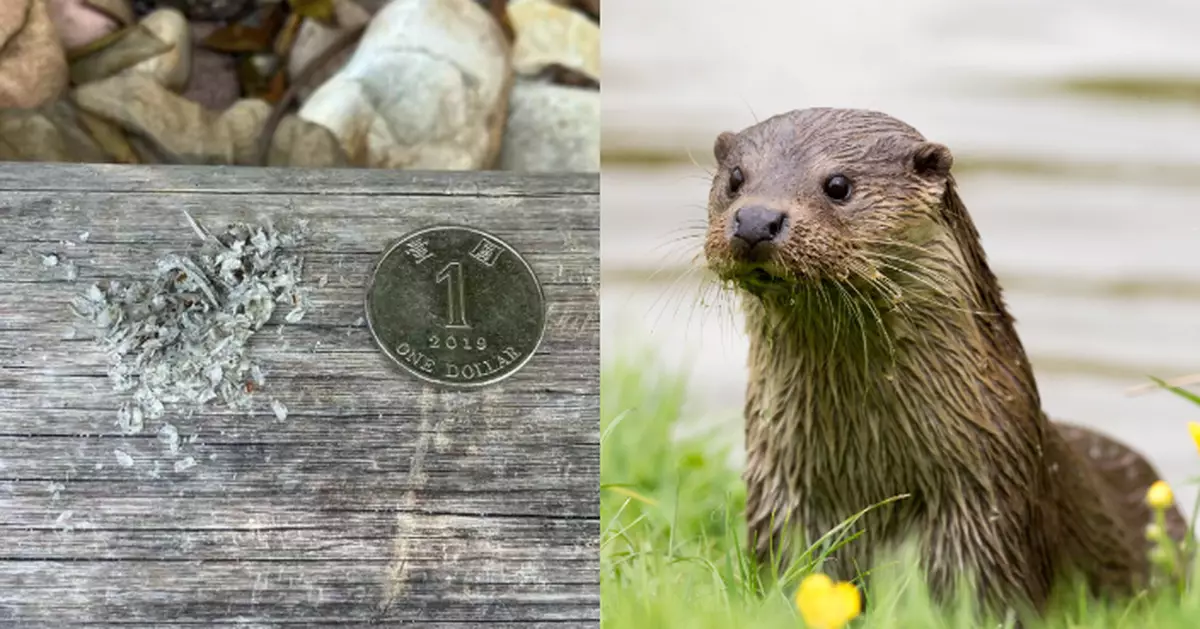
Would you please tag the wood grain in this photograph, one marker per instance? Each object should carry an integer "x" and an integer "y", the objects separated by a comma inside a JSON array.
[{"x": 379, "y": 500}]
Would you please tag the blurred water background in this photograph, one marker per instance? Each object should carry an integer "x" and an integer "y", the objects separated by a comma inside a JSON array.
[{"x": 1075, "y": 126}]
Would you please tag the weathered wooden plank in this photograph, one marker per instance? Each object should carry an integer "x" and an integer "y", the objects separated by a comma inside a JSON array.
[
  {"x": 164, "y": 592},
  {"x": 463, "y": 464},
  {"x": 160, "y": 504},
  {"x": 293, "y": 181},
  {"x": 27, "y": 305},
  {"x": 378, "y": 499},
  {"x": 248, "y": 544},
  {"x": 329, "y": 369}
]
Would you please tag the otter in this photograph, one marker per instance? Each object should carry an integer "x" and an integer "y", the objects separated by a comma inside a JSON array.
[{"x": 883, "y": 362}]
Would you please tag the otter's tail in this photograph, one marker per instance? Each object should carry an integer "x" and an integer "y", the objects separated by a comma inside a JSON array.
[{"x": 1126, "y": 473}]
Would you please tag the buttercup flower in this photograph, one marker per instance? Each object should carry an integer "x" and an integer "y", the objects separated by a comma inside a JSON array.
[
  {"x": 1159, "y": 496},
  {"x": 1194, "y": 428},
  {"x": 824, "y": 604}
]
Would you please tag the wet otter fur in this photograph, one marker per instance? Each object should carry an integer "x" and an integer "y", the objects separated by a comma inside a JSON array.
[{"x": 883, "y": 362}]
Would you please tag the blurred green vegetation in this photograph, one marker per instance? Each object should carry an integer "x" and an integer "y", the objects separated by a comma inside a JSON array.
[{"x": 673, "y": 538}]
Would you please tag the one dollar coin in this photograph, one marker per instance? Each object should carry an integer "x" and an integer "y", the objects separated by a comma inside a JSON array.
[{"x": 456, "y": 306}]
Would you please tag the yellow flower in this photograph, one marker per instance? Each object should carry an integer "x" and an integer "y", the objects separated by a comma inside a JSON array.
[
  {"x": 827, "y": 605},
  {"x": 1159, "y": 496},
  {"x": 1194, "y": 428}
]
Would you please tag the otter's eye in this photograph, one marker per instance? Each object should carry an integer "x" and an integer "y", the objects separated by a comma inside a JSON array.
[
  {"x": 837, "y": 188},
  {"x": 736, "y": 179}
]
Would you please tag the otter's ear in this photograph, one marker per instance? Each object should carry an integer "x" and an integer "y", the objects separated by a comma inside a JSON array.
[
  {"x": 723, "y": 145},
  {"x": 932, "y": 158}
]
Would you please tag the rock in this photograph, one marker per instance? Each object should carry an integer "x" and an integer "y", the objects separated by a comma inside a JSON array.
[
  {"x": 33, "y": 67},
  {"x": 237, "y": 127},
  {"x": 552, "y": 128},
  {"x": 176, "y": 130},
  {"x": 179, "y": 130},
  {"x": 78, "y": 23},
  {"x": 314, "y": 37},
  {"x": 426, "y": 89},
  {"x": 205, "y": 10},
  {"x": 126, "y": 49},
  {"x": 12, "y": 18},
  {"x": 551, "y": 34},
  {"x": 214, "y": 79},
  {"x": 303, "y": 144},
  {"x": 172, "y": 68},
  {"x": 47, "y": 134},
  {"x": 111, "y": 138}
]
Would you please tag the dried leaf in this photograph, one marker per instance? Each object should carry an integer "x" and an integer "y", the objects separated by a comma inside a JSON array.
[
  {"x": 559, "y": 74},
  {"x": 322, "y": 11},
  {"x": 254, "y": 35},
  {"x": 276, "y": 87},
  {"x": 166, "y": 346},
  {"x": 238, "y": 38},
  {"x": 100, "y": 43},
  {"x": 168, "y": 435},
  {"x": 119, "y": 10},
  {"x": 136, "y": 44},
  {"x": 287, "y": 35},
  {"x": 109, "y": 137},
  {"x": 123, "y": 458}
]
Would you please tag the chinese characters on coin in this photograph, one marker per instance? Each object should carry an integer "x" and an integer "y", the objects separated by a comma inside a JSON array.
[{"x": 456, "y": 306}]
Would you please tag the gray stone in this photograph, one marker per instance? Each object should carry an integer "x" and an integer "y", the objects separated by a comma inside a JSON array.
[
  {"x": 426, "y": 89},
  {"x": 552, "y": 128}
]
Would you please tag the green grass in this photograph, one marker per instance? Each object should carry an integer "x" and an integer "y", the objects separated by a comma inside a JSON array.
[{"x": 672, "y": 537}]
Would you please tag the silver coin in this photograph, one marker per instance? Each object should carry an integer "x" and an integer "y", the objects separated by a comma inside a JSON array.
[{"x": 456, "y": 306}]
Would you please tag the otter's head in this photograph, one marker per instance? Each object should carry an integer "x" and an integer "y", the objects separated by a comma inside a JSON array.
[{"x": 825, "y": 195}]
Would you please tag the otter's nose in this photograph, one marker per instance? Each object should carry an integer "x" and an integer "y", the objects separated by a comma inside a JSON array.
[{"x": 755, "y": 224}]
